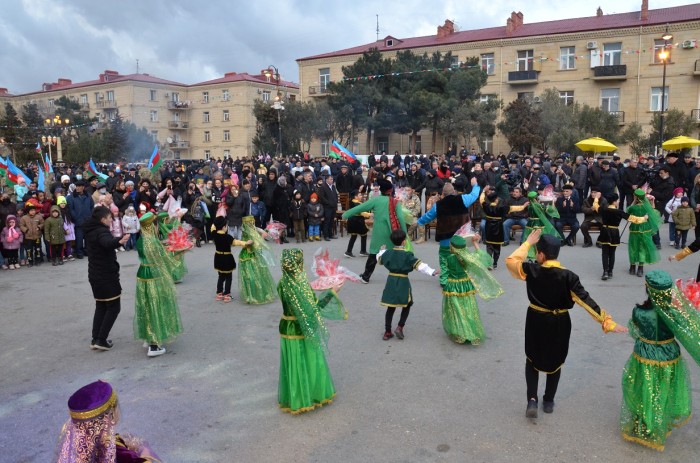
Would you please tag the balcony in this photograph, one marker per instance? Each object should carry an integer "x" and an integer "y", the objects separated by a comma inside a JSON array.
[
  {"x": 620, "y": 116},
  {"x": 696, "y": 69},
  {"x": 695, "y": 114},
  {"x": 612, "y": 72},
  {"x": 523, "y": 77},
  {"x": 318, "y": 90},
  {"x": 178, "y": 125},
  {"x": 179, "y": 145},
  {"x": 178, "y": 105},
  {"x": 84, "y": 107},
  {"x": 107, "y": 104}
]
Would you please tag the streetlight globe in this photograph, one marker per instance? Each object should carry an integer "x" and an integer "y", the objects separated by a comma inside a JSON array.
[
  {"x": 66, "y": 121},
  {"x": 667, "y": 37},
  {"x": 663, "y": 54}
]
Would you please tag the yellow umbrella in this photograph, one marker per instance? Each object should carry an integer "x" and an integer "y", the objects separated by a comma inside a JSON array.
[
  {"x": 596, "y": 144},
  {"x": 678, "y": 143}
]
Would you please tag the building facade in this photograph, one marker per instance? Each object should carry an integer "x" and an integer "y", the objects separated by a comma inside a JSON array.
[
  {"x": 207, "y": 119},
  {"x": 607, "y": 61}
]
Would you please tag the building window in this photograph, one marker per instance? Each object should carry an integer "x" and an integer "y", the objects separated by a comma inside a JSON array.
[
  {"x": 205, "y": 97},
  {"x": 610, "y": 99},
  {"x": 227, "y": 154},
  {"x": 207, "y": 154},
  {"x": 526, "y": 96},
  {"x": 225, "y": 95},
  {"x": 227, "y": 135},
  {"x": 205, "y": 116},
  {"x": 417, "y": 145},
  {"x": 567, "y": 97},
  {"x": 175, "y": 97},
  {"x": 612, "y": 54},
  {"x": 207, "y": 136},
  {"x": 152, "y": 95},
  {"x": 488, "y": 63},
  {"x": 51, "y": 103},
  {"x": 658, "y": 48},
  {"x": 324, "y": 78},
  {"x": 487, "y": 97},
  {"x": 97, "y": 97},
  {"x": 266, "y": 96},
  {"x": 324, "y": 148},
  {"x": 154, "y": 135},
  {"x": 292, "y": 97},
  {"x": 389, "y": 43},
  {"x": 382, "y": 144},
  {"x": 488, "y": 144},
  {"x": 656, "y": 99},
  {"x": 84, "y": 98},
  {"x": 525, "y": 60},
  {"x": 567, "y": 58},
  {"x": 455, "y": 62},
  {"x": 110, "y": 95},
  {"x": 154, "y": 116},
  {"x": 226, "y": 115}
]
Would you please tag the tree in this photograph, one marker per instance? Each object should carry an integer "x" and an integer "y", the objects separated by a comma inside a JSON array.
[
  {"x": 634, "y": 137},
  {"x": 559, "y": 127},
  {"x": 521, "y": 125},
  {"x": 116, "y": 141},
  {"x": 676, "y": 123},
  {"x": 11, "y": 130},
  {"x": 594, "y": 122}
]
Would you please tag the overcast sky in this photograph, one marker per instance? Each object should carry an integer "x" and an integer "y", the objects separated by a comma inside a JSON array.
[{"x": 194, "y": 41}]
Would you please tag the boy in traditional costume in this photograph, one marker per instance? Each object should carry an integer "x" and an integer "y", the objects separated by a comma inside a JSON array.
[
  {"x": 224, "y": 263},
  {"x": 609, "y": 238}
]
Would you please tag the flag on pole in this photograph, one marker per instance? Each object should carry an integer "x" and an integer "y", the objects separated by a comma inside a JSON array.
[
  {"x": 3, "y": 166},
  {"x": 47, "y": 165},
  {"x": 155, "y": 162},
  {"x": 14, "y": 173},
  {"x": 343, "y": 151},
  {"x": 92, "y": 168},
  {"x": 38, "y": 148},
  {"x": 40, "y": 182},
  {"x": 334, "y": 152}
]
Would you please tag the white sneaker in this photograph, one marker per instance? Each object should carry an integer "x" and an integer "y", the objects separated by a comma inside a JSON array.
[
  {"x": 122, "y": 249},
  {"x": 156, "y": 352}
]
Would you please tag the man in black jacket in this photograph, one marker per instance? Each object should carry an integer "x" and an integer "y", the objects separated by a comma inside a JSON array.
[
  {"x": 632, "y": 178},
  {"x": 103, "y": 274},
  {"x": 328, "y": 197},
  {"x": 678, "y": 170},
  {"x": 344, "y": 180},
  {"x": 568, "y": 208},
  {"x": 662, "y": 191}
]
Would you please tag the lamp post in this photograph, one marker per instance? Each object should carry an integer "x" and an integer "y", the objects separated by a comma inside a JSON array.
[
  {"x": 56, "y": 122},
  {"x": 278, "y": 104},
  {"x": 663, "y": 56}
]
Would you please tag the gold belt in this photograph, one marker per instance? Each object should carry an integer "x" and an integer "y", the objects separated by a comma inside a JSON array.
[
  {"x": 552, "y": 311},
  {"x": 402, "y": 275},
  {"x": 651, "y": 341},
  {"x": 222, "y": 252},
  {"x": 493, "y": 218},
  {"x": 611, "y": 226},
  {"x": 289, "y": 317}
]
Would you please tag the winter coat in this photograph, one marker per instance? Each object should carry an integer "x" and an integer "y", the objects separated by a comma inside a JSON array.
[
  {"x": 103, "y": 268},
  {"x": 54, "y": 232},
  {"x": 31, "y": 226},
  {"x": 80, "y": 207},
  {"x": 684, "y": 218},
  {"x": 131, "y": 224},
  {"x": 11, "y": 239},
  {"x": 315, "y": 213},
  {"x": 673, "y": 204},
  {"x": 280, "y": 203},
  {"x": 298, "y": 209}
]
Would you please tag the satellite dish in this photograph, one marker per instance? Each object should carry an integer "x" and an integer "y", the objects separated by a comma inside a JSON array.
[{"x": 169, "y": 139}]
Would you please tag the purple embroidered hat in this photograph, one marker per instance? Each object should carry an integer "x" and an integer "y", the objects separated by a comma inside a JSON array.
[{"x": 92, "y": 401}]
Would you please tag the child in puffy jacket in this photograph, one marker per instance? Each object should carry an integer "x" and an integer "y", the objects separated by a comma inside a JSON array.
[
  {"x": 11, "y": 238},
  {"x": 315, "y": 217},
  {"x": 55, "y": 235},
  {"x": 684, "y": 219}
]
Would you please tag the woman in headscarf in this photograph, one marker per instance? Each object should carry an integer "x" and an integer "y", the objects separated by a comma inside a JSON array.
[{"x": 255, "y": 283}]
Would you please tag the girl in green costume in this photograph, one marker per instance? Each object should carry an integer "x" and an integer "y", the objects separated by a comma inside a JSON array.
[
  {"x": 467, "y": 273},
  {"x": 641, "y": 248},
  {"x": 156, "y": 316},
  {"x": 539, "y": 220},
  {"x": 166, "y": 224},
  {"x": 305, "y": 382},
  {"x": 255, "y": 283},
  {"x": 656, "y": 393}
]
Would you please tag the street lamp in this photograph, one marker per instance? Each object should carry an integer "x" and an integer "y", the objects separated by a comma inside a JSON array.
[
  {"x": 663, "y": 56},
  {"x": 55, "y": 140},
  {"x": 278, "y": 104}
]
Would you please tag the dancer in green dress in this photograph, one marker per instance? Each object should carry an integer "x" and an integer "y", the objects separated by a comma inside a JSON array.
[
  {"x": 156, "y": 316},
  {"x": 255, "y": 283},
  {"x": 467, "y": 273},
  {"x": 305, "y": 382},
  {"x": 641, "y": 247},
  {"x": 656, "y": 389},
  {"x": 166, "y": 224},
  {"x": 539, "y": 220}
]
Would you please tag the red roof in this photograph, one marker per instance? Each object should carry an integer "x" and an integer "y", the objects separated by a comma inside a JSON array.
[
  {"x": 245, "y": 77},
  {"x": 112, "y": 77},
  {"x": 562, "y": 26}
]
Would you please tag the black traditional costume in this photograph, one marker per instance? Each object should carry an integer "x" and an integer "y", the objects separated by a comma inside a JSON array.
[{"x": 609, "y": 238}]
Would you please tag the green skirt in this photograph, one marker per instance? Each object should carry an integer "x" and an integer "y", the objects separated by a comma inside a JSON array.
[
  {"x": 655, "y": 399},
  {"x": 179, "y": 269},
  {"x": 305, "y": 382},
  {"x": 156, "y": 315},
  {"x": 460, "y": 312},
  {"x": 255, "y": 283},
  {"x": 641, "y": 248},
  {"x": 531, "y": 226}
]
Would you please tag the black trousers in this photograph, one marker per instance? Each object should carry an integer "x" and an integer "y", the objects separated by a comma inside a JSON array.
[
  {"x": 223, "y": 284},
  {"x": 363, "y": 243},
  {"x": 56, "y": 251},
  {"x": 494, "y": 251},
  {"x": 106, "y": 313},
  {"x": 33, "y": 249},
  {"x": 608, "y": 257},
  {"x": 532, "y": 378},
  {"x": 390, "y": 316},
  {"x": 328, "y": 218},
  {"x": 370, "y": 265}
]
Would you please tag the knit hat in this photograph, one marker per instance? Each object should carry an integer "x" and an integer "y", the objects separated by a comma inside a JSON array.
[
  {"x": 65, "y": 178},
  {"x": 61, "y": 200},
  {"x": 314, "y": 196},
  {"x": 677, "y": 190}
]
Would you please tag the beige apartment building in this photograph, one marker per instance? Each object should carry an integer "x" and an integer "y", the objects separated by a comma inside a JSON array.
[
  {"x": 607, "y": 61},
  {"x": 209, "y": 119}
]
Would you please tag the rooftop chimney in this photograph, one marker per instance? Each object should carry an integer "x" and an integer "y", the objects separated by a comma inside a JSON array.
[
  {"x": 644, "y": 14},
  {"x": 229, "y": 74},
  {"x": 447, "y": 29},
  {"x": 63, "y": 82},
  {"x": 599, "y": 12},
  {"x": 515, "y": 21}
]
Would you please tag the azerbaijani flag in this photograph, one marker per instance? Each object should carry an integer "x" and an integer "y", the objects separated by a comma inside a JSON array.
[
  {"x": 343, "y": 151},
  {"x": 155, "y": 162},
  {"x": 3, "y": 166},
  {"x": 38, "y": 148},
  {"x": 92, "y": 168},
  {"x": 334, "y": 152},
  {"x": 47, "y": 164},
  {"x": 40, "y": 181},
  {"x": 14, "y": 173}
]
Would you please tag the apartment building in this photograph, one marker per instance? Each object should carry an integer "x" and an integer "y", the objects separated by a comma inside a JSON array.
[
  {"x": 607, "y": 61},
  {"x": 207, "y": 119}
]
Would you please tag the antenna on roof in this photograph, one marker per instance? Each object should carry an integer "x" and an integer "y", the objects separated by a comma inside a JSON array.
[
  {"x": 377, "y": 28},
  {"x": 137, "y": 65}
]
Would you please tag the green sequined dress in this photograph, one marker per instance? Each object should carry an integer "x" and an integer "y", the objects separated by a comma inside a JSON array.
[
  {"x": 460, "y": 312},
  {"x": 156, "y": 315},
  {"x": 255, "y": 283},
  {"x": 641, "y": 248},
  {"x": 538, "y": 220},
  {"x": 655, "y": 384}
]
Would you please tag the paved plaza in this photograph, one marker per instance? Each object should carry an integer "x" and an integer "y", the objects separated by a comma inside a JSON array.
[{"x": 212, "y": 396}]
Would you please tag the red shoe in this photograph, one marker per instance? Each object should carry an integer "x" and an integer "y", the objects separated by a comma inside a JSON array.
[
  {"x": 220, "y": 297},
  {"x": 227, "y": 298},
  {"x": 387, "y": 336}
]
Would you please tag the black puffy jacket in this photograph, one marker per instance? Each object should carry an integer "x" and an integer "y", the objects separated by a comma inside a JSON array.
[{"x": 103, "y": 268}]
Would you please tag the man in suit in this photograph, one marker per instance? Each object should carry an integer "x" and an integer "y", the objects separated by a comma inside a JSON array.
[{"x": 328, "y": 197}]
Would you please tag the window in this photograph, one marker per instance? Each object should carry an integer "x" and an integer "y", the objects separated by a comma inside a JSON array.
[
  {"x": 382, "y": 144},
  {"x": 226, "y": 115},
  {"x": 84, "y": 98},
  {"x": 417, "y": 145},
  {"x": 174, "y": 96},
  {"x": 207, "y": 154},
  {"x": 227, "y": 135},
  {"x": 390, "y": 43},
  {"x": 266, "y": 96},
  {"x": 154, "y": 135},
  {"x": 324, "y": 78},
  {"x": 205, "y": 97},
  {"x": 526, "y": 95},
  {"x": 153, "y": 95},
  {"x": 324, "y": 148},
  {"x": 488, "y": 144},
  {"x": 205, "y": 116},
  {"x": 488, "y": 63},
  {"x": 97, "y": 97},
  {"x": 612, "y": 54},
  {"x": 225, "y": 95},
  {"x": 610, "y": 99},
  {"x": 656, "y": 96},
  {"x": 292, "y": 97},
  {"x": 207, "y": 136},
  {"x": 567, "y": 97},
  {"x": 487, "y": 97},
  {"x": 154, "y": 116},
  {"x": 455, "y": 62},
  {"x": 659, "y": 46},
  {"x": 110, "y": 95},
  {"x": 227, "y": 154},
  {"x": 51, "y": 103},
  {"x": 567, "y": 58},
  {"x": 525, "y": 60}
]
